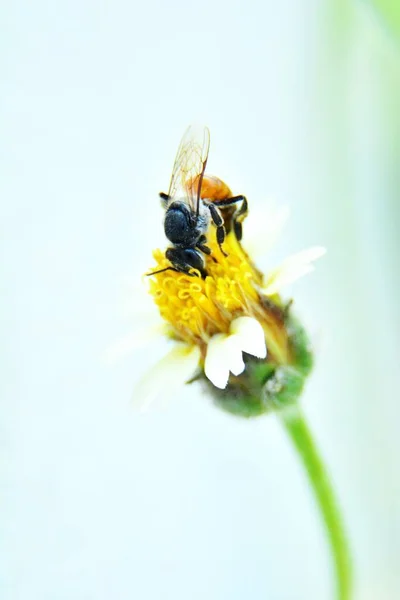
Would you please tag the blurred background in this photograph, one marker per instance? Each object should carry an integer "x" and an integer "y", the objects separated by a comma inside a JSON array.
[{"x": 302, "y": 99}]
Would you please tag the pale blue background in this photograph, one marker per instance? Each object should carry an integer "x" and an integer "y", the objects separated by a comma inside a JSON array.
[{"x": 98, "y": 503}]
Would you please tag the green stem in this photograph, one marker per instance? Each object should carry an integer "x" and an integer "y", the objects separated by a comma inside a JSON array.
[{"x": 302, "y": 439}]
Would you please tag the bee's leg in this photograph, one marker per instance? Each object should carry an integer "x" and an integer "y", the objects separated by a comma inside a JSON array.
[
  {"x": 219, "y": 223},
  {"x": 164, "y": 199},
  {"x": 206, "y": 250},
  {"x": 203, "y": 248},
  {"x": 239, "y": 215},
  {"x": 234, "y": 200},
  {"x": 201, "y": 245},
  {"x": 238, "y": 229}
]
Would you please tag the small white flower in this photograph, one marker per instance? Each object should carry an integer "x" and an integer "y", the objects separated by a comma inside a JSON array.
[{"x": 218, "y": 354}]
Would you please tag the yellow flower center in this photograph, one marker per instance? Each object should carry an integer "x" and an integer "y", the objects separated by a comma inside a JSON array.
[{"x": 196, "y": 308}]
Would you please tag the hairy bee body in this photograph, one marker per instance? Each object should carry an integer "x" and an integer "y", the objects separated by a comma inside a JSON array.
[{"x": 194, "y": 202}]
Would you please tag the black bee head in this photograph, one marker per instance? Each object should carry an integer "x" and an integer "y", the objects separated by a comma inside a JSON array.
[{"x": 180, "y": 226}]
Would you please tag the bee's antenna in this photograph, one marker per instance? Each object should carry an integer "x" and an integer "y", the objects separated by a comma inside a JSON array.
[{"x": 162, "y": 271}]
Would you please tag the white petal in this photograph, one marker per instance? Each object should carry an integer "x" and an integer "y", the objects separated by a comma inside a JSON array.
[
  {"x": 250, "y": 335},
  {"x": 215, "y": 365},
  {"x": 133, "y": 341},
  {"x": 292, "y": 269},
  {"x": 262, "y": 232},
  {"x": 223, "y": 355},
  {"x": 233, "y": 355},
  {"x": 307, "y": 256},
  {"x": 135, "y": 298},
  {"x": 283, "y": 276},
  {"x": 167, "y": 376}
]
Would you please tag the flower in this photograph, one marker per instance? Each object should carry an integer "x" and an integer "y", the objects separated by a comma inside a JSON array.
[{"x": 225, "y": 326}]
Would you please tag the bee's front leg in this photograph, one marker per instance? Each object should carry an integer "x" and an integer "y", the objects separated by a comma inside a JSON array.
[
  {"x": 201, "y": 245},
  {"x": 164, "y": 199}
]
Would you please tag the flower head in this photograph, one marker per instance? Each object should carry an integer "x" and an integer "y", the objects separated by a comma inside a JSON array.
[
  {"x": 229, "y": 328},
  {"x": 227, "y": 320}
]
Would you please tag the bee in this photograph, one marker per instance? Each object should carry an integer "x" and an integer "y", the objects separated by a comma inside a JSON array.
[{"x": 193, "y": 202}]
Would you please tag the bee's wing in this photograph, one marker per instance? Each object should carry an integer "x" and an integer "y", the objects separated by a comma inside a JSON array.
[{"x": 189, "y": 166}]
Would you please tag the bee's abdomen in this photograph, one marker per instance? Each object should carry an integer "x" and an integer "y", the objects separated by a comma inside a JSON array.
[{"x": 213, "y": 188}]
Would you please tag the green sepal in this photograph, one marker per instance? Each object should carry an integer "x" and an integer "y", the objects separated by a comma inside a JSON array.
[
  {"x": 264, "y": 385},
  {"x": 303, "y": 359}
]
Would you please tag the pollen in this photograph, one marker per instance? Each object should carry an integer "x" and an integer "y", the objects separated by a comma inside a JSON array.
[{"x": 197, "y": 308}]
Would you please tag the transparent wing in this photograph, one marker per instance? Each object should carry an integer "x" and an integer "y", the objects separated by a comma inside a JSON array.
[{"x": 189, "y": 166}]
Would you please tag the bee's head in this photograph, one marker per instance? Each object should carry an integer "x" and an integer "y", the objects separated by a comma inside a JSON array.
[{"x": 180, "y": 225}]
